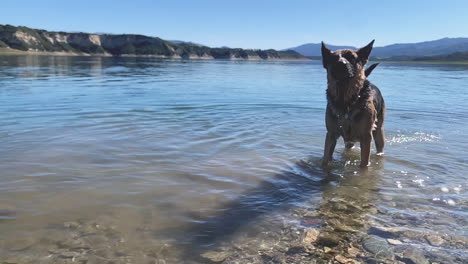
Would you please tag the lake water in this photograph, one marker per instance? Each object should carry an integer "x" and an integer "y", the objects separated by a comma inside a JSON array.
[{"x": 138, "y": 160}]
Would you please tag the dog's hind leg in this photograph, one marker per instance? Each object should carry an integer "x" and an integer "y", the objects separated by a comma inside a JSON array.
[
  {"x": 379, "y": 139},
  {"x": 330, "y": 143},
  {"x": 365, "y": 141}
]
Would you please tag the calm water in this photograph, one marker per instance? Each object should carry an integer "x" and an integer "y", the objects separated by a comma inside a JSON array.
[{"x": 171, "y": 155}]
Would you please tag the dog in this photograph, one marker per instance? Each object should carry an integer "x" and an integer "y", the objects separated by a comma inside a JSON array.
[{"x": 355, "y": 107}]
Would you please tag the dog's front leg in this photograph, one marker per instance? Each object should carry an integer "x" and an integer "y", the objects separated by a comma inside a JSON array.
[
  {"x": 365, "y": 141},
  {"x": 330, "y": 143}
]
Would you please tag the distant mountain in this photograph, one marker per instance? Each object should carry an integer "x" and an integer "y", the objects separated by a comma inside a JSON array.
[
  {"x": 28, "y": 40},
  {"x": 186, "y": 42},
  {"x": 443, "y": 46},
  {"x": 314, "y": 49},
  {"x": 453, "y": 57},
  {"x": 428, "y": 48}
]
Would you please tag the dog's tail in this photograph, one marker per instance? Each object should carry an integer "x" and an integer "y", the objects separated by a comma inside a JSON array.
[{"x": 369, "y": 70}]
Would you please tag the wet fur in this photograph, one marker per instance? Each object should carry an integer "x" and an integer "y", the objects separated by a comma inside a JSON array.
[{"x": 355, "y": 107}]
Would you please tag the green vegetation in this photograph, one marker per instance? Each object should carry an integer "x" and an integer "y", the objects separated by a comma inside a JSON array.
[
  {"x": 457, "y": 57},
  {"x": 465, "y": 62},
  {"x": 3, "y": 45},
  {"x": 27, "y": 39}
]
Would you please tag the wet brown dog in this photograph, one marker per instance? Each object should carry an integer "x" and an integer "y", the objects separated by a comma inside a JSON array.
[{"x": 355, "y": 107}]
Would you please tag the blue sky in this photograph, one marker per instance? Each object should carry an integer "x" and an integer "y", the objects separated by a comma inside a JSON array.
[{"x": 250, "y": 24}]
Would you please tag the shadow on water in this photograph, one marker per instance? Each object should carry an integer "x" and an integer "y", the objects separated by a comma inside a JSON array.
[
  {"x": 283, "y": 190},
  {"x": 298, "y": 186}
]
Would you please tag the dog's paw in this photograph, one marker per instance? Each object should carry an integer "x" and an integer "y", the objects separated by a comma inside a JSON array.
[
  {"x": 364, "y": 166},
  {"x": 379, "y": 154},
  {"x": 324, "y": 164}
]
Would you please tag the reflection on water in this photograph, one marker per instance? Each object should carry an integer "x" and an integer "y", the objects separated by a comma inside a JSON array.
[{"x": 136, "y": 160}]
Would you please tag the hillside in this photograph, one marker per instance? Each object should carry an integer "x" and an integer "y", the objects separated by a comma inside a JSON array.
[
  {"x": 454, "y": 57},
  {"x": 443, "y": 46},
  {"x": 314, "y": 49},
  {"x": 428, "y": 48},
  {"x": 40, "y": 41}
]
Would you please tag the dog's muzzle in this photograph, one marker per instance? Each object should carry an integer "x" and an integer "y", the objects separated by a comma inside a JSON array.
[{"x": 342, "y": 69}]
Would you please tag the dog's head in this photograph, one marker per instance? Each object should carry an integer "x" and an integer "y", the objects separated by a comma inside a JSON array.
[{"x": 345, "y": 64}]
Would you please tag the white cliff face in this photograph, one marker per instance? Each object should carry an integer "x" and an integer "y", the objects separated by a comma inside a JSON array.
[
  {"x": 60, "y": 38},
  {"x": 95, "y": 39},
  {"x": 29, "y": 40},
  {"x": 25, "y": 37},
  {"x": 55, "y": 38},
  {"x": 50, "y": 39},
  {"x": 79, "y": 39}
]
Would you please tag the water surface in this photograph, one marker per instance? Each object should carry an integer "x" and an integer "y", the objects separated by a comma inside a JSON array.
[{"x": 170, "y": 156}]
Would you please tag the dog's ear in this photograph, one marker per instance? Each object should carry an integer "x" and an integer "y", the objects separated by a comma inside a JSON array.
[
  {"x": 364, "y": 52},
  {"x": 325, "y": 55},
  {"x": 369, "y": 70}
]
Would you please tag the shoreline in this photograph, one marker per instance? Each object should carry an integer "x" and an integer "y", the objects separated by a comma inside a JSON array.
[
  {"x": 424, "y": 62},
  {"x": 10, "y": 52},
  {"x": 15, "y": 52},
  {"x": 412, "y": 62}
]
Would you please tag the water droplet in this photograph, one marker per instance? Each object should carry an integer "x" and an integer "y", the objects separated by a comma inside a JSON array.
[
  {"x": 420, "y": 182},
  {"x": 399, "y": 184},
  {"x": 451, "y": 202}
]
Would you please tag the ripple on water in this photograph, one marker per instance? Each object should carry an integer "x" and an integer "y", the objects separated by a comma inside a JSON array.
[{"x": 415, "y": 137}]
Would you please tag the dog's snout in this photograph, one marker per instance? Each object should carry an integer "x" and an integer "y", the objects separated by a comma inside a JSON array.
[
  {"x": 343, "y": 61},
  {"x": 342, "y": 69}
]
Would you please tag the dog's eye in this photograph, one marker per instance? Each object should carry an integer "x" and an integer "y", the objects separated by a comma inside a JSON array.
[{"x": 350, "y": 58}]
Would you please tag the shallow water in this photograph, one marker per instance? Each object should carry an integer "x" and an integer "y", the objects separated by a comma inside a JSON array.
[{"x": 167, "y": 157}]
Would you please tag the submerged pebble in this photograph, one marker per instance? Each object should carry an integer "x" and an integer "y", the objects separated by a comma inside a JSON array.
[
  {"x": 379, "y": 247},
  {"x": 353, "y": 252},
  {"x": 328, "y": 239},
  {"x": 414, "y": 256},
  {"x": 72, "y": 225},
  {"x": 342, "y": 259},
  {"x": 69, "y": 254},
  {"x": 7, "y": 211},
  {"x": 215, "y": 256},
  {"x": 20, "y": 244},
  {"x": 394, "y": 241},
  {"x": 435, "y": 240},
  {"x": 310, "y": 236}
]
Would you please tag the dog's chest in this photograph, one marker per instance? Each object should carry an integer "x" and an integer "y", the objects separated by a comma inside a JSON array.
[
  {"x": 353, "y": 117},
  {"x": 349, "y": 129}
]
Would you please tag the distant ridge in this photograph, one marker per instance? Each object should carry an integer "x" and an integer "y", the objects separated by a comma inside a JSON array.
[
  {"x": 186, "y": 42},
  {"x": 314, "y": 49},
  {"x": 28, "y": 40},
  {"x": 442, "y": 46}
]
